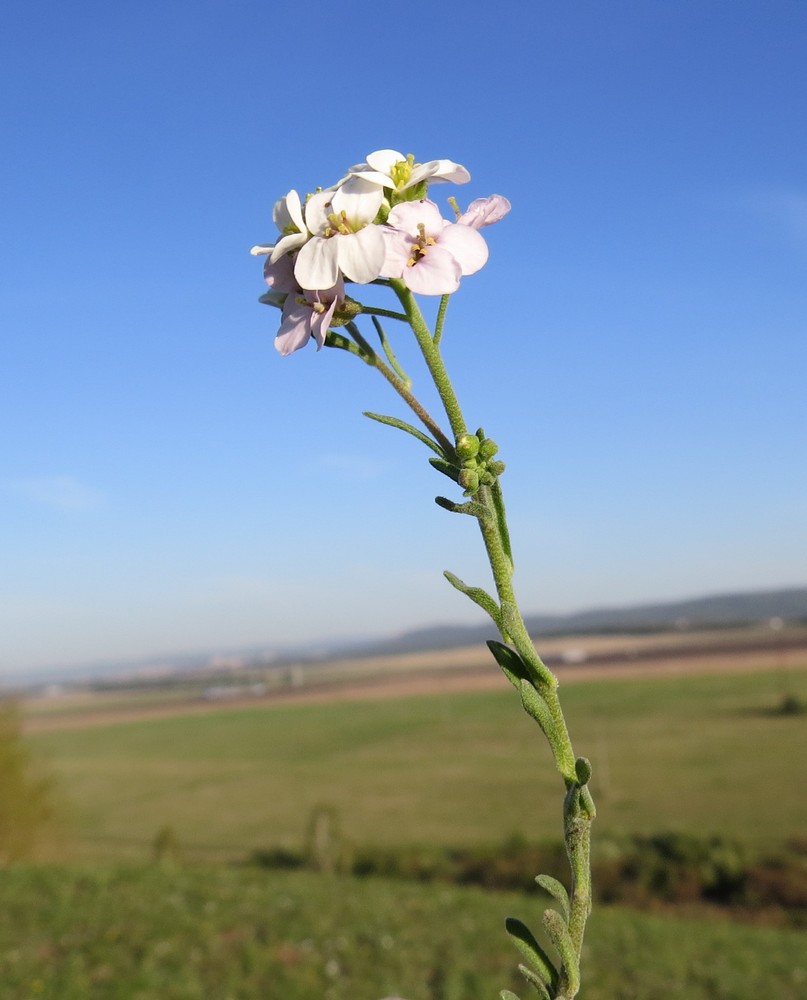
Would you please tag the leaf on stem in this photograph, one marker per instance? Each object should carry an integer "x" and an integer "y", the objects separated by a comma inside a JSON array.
[
  {"x": 511, "y": 663},
  {"x": 476, "y": 594},
  {"x": 471, "y": 508},
  {"x": 556, "y": 889},
  {"x": 524, "y": 940},
  {"x": 535, "y": 706},
  {"x": 402, "y": 425},
  {"x": 501, "y": 521},
  {"x": 560, "y": 937},
  {"x": 535, "y": 982},
  {"x": 445, "y": 467},
  {"x": 394, "y": 363}
]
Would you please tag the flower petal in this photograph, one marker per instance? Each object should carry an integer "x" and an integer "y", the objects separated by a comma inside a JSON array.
[
  {"x": 410, "y": 214},
  {"x": 439, "y": 170},
  {"x": 295, "y": 327},
  {"x": 466, "y": 245},
  {"x": 383, "y": 160},
  {"x": 359, "y": 199},
  {"x": 438, "y": 273},
  {"x": 279, "y": 274},
  {"x": 361, "y": 255},
  {"x": 316, "y": 265},
  {"x": 288, "y": 211},
  {"x": 287, "y": 244},
  {"x": 485, "y": 211}
]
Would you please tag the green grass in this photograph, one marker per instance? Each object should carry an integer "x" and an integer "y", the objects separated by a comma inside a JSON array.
[
  {"x": 219, "y": 933},
  {"x": 694, "y": 754}
]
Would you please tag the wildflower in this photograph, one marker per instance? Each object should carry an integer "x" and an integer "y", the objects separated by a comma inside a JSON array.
[
  {"x": 390, "y": 169},
  {"x": 344, "y": 241},
  {"x": 485, "y": 211},
  {"x": 429, "y": 253},
  {"x": 288, "y": 217},
  {"x": 307, "y": 314}
]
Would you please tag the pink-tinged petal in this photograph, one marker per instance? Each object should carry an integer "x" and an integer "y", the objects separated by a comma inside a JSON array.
[
  {"x": 287, "y": 244},
  {"x": 398, "y": 248},
  {"x": 361, "y": 255},
  {"x": 485, "y": 211},
  {"x": 438, "y": 273},
  {"x": 359, "y": 199},
  {"x": 466, "y": 245},
  {"x": 295, "y": 327},
  {"x": 320, "y": 323},
  {"x": 317, "y": 265},
  {"x": 383, "y": 160},
  {"x": 279, "y": 275},
  {"x": 439, "y": 170},
  {"x": 410, "y": 214}
]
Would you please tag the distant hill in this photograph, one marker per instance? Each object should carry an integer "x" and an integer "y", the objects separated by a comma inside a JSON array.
[{"x": 718, "y": 611}]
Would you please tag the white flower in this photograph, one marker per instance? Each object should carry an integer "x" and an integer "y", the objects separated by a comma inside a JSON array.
[
  {"x": 429, "y": 253},
  {"x": 390, "y": 169},
  {"x": 288, "y": 216},
  {"x": 344, "y": 241}
]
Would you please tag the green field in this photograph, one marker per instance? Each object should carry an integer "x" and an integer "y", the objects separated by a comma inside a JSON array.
[
  {"x": 223, "y": 933},
  {"x": 701, "y": 754}
]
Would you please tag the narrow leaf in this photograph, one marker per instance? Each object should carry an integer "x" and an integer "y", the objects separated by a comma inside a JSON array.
[
  {"x": 510, "y": 662},
  {"x": 501, "y": 521},
  {"x": 445, "y": 467},
  {"x": 560, "y": 937},
  {"x": 402, "y": 425},
  {"x": 476, "y": 594},
  {"x": 535, "y": 981},
  {"x": 535, "y": 706},
  {"x": 524, "y": 940},
  {"x": 556, "y": 889}
]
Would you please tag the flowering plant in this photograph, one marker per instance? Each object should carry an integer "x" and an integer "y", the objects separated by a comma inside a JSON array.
[{"x": 378, "y": 226}]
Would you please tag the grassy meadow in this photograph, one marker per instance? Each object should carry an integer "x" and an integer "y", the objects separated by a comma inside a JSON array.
[
  {"x": 701, "y": 754},
  {"x": 102, "y": 920},
  {"x": 225, "y": 933}
]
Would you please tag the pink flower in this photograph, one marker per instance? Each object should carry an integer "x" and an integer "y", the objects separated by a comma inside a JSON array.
[
  {"x": 485, "y": 211},
  {"x": 305, "y": 315},
  {"x": 429, "y": 253}
]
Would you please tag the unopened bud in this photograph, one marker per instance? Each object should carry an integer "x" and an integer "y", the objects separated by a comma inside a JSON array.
[
  {"x": 467, "y": 446},
  {"x": 488, "y": 449},
  {"x": 468, "y": 480}
]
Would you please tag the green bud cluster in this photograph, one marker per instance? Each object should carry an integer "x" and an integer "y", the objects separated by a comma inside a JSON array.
[{"x": 475, "y": 454}]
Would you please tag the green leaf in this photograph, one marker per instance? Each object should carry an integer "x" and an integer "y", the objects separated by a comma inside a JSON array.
[
  {"x": 507, "y": 995},
  {"x": 472, "y": 508},
  {"x": 535, "y": 706},
  {"x": 511, "y": 663},
  {"x": 501, "y": 521},
  {"x": 560, "y": 937},
  {"x": 402, "y": 425},
  {"x": 476, "y": 594},
  {"x": 524, "y": 940},
  {"x": 556, "y": 889},
  {"x": 445, "y": 467},
  {"x": 535, "y": 981}
]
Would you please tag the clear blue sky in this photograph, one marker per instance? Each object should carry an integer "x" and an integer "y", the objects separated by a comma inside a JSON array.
[{"x": 636, "y": 342}]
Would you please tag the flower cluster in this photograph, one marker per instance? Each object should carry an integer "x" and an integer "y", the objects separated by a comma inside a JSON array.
[{"x": 375, "y": 223}]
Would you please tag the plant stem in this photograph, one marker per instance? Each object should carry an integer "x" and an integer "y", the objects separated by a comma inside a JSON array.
[{"x": 431, "y": 355}]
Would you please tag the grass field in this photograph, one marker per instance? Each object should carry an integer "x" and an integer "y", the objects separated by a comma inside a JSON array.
[
  {"x": 221, "y": 933},
  {"x": 701, "y": 754}
]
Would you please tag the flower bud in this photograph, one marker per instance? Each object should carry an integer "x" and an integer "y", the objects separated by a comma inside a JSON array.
[
  {"x": 468, "y": 480},
  {"x": 488, "y": 449},
  {"x": 467, "y": 446}
]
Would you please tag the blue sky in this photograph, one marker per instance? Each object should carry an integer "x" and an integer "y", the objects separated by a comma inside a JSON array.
[{"x": 636, "y": 342}]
